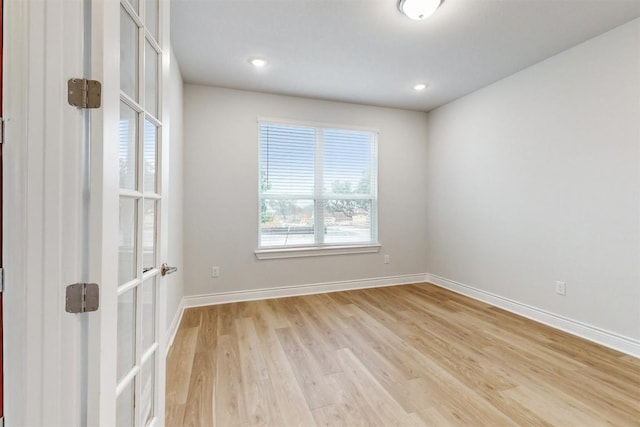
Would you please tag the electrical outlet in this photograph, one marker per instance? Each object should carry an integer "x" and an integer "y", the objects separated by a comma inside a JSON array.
[
  {"x": 215, "y": 271},
  {"x": 561, "y": 288},
  {"x": 387, "y": 259}
]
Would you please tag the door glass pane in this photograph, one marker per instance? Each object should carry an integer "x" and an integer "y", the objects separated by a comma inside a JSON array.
[
  {"x": 126, "y": 332},
  {"x": 148, "y": 313},
  {"x": 124, "y": 407},
  {"x": 148, "y": 385},
  {"x": 127, "y": 152},
  {"x": 127, "y": 240},
  {"x": 149, "y": 235},
  {"x": 151, "y": 17},
  {"x": 150, "y": 156},
  {"x": 128, "y": 55},
  {"x": 151, "y": 80}
]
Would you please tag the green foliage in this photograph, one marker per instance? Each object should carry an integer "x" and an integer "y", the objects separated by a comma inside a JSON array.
[{"x": 348, "y": 207}]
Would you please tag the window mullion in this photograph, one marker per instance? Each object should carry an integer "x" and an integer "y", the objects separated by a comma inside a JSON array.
[
  {"x": 373, "y": 187},
  {"x": 318, "y": 187}
]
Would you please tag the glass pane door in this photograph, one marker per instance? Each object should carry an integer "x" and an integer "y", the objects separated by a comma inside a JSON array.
[{"x": 140, "y": 204}]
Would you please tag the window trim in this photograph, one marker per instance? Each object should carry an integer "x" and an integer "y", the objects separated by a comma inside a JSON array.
[
  {"x": 312, "y": 251},
  {"x": 320, "y": 249},
  {"x": 307, "y": 123}
]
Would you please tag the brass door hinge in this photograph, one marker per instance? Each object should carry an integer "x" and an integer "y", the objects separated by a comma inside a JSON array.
[
  {"x": 84, "y": 93},
  {"x": 82, "y": 298}
]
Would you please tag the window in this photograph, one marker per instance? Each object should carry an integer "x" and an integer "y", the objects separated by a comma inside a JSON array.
[{"x": 318, "y": 187}]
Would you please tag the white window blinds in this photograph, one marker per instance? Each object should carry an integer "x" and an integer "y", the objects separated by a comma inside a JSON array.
[{"x": 318, "y": 186}]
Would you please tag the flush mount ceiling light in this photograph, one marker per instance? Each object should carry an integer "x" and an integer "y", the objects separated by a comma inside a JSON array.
[
  {"x": 419, "y": 87},
  {"x": 258, "y": 62},
  {"x": 419, "y": 9}
]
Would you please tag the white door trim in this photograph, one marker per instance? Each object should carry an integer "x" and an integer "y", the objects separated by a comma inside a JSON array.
[
  {"x": 43, "y": 211},
  {"x": 105, "y": 50},
  {"x": 164, "y": 102}
]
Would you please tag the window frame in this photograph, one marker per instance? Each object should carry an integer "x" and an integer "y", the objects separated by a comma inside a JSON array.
[{"x": 319, "y": 248}]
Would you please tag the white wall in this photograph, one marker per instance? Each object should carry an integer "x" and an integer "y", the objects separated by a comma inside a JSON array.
[
  {"x": 221, "y": 193},
  {"x": 175, "y": 282},
  {"x": 536, "y": 178},
  {"x": 45, "y": 216}
]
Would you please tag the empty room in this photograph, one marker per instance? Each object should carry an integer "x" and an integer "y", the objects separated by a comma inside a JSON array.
[
  {"x": 315, "y": 163},
  {"x": 320, "y": 213}
]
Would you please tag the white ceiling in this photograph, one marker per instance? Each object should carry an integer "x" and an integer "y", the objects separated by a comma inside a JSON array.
[{"x": 365, "y": 51}]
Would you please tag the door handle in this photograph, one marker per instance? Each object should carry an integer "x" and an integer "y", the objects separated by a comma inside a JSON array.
[{"x": 165, "y": 269}]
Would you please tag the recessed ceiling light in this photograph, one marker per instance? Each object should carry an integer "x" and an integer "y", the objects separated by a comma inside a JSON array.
[
  {"x": 419, "y": 9},
  {"x": 420, "y": 86},
  {"x": 258, "y": 62}
]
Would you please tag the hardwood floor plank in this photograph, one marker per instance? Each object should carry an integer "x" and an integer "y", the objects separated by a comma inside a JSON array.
[
  {"x": 271, "y": 308},
  {"x": 289, "y": 307},
  {"x": 332, "y": 304},
  {"x": 311, "y": 336},
  {"x": 454, "y": 399},
  {"x": 462, "y": 359},
  {"x": 174, "y": 414},
  {"x": 385, "y": 372},
  {"x": 383, "y": 405},
  {"x": 198, "y": 409},
  {"x": 317, "y": 314},
  {"x": 590, "y": 392},
  {"x": 352, "y": 408},
  {"x": 191, "y": 318},
  {"x": 308, "y": 374},
  {"x": 499, "y": 335},
  {"x": 403, "y": 355},
  {"x": 287, "y": 392},
  {"x": 180, "y": 359},
  {"x": 432, "y": 417},
  {"x": 229, "y": 400},
  {"x": 252, "y": 364},
  {"x": 227, "y": 314},
  {"x": 383, "y": 341},
  {"x": 262, "y": 409},
  {"x": 554, "y": 411},
  {"x": 208, "y": 331}
]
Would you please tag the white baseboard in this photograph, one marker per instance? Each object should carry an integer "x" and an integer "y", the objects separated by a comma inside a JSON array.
[
  {"x": 608, "y": 339},
  {"x": 290, "y": 291},
  {"x": 173, "y": 327}
]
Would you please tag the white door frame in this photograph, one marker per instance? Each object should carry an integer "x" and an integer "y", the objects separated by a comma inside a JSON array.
[
  {"x": 105, "y": 24},
  {"x": 43, "y": 214}
]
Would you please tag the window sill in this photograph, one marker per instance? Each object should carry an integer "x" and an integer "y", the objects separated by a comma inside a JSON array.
[{"x": 301, "y": 252}]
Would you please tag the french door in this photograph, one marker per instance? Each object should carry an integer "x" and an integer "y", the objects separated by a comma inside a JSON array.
[
  {"x": 130, "y": 220},
  {"x": 140, "y": 202}
]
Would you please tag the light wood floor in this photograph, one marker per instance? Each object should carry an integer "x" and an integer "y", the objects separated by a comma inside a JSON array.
[{"x": 405, "y": 355}]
